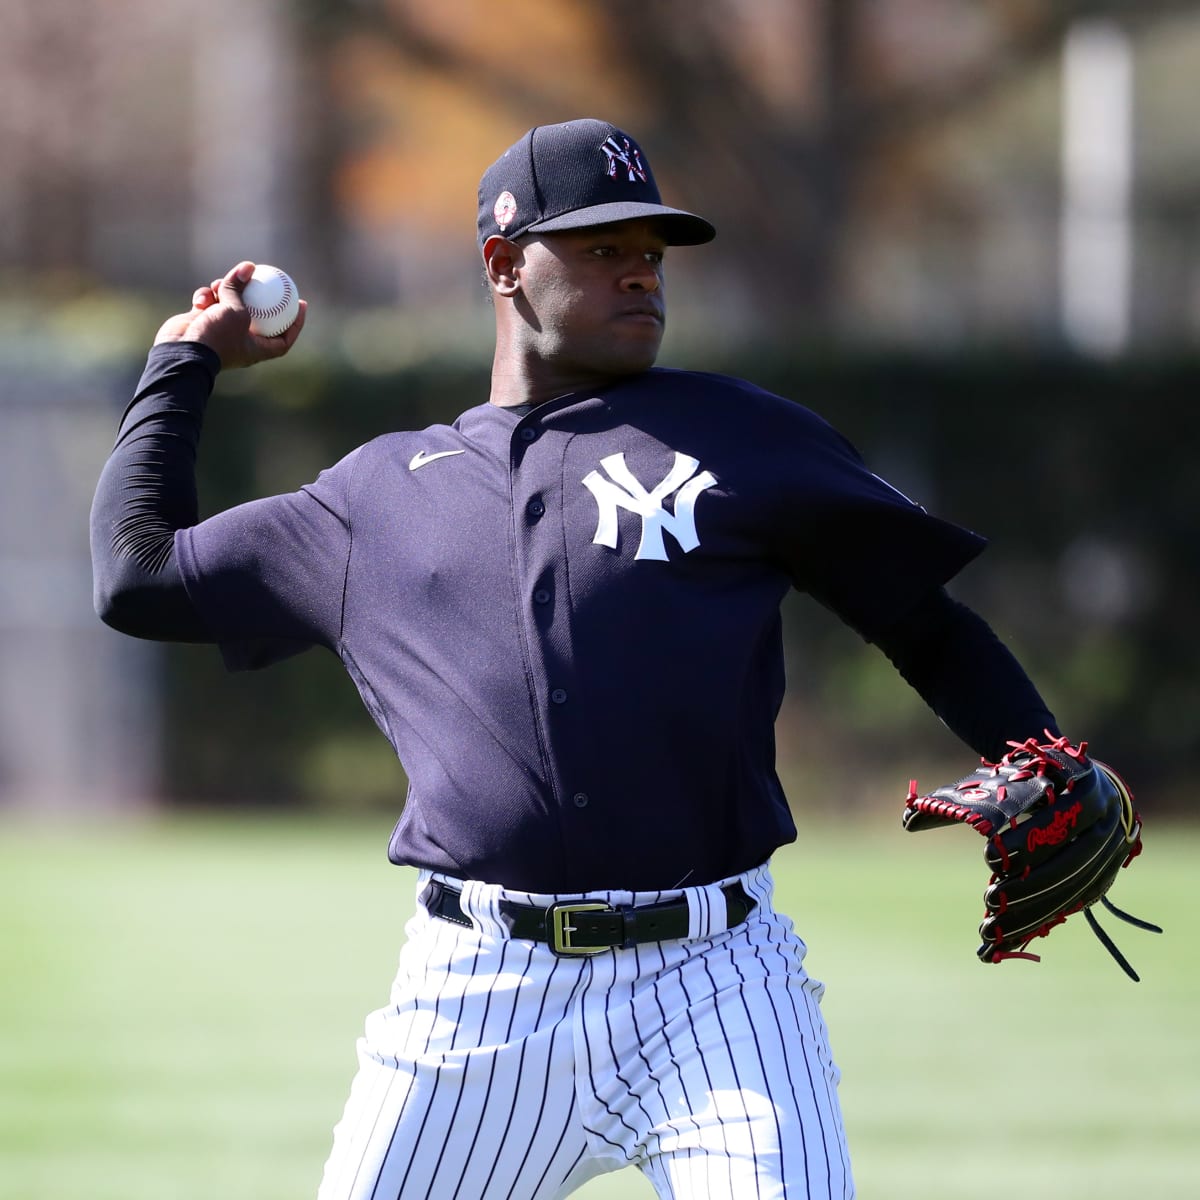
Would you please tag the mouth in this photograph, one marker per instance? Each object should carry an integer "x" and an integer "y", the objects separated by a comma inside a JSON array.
[{"x": 646, "y": 313}]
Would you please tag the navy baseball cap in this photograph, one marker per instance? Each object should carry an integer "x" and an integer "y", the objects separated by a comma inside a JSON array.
[{"x": 575, "y": 175}]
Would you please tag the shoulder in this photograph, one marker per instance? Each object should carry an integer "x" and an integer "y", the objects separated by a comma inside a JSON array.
[
  {"x": 396, "y": 449},
  {"x": 743, "y": 408},
  {"x": 728, "y": 390},
  {"x": 379, "y": 469},
  {"x": 705, "y": 384}
]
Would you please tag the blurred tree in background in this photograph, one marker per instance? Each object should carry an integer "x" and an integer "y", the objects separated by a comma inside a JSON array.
[
  {"x": 878, "y": 169},
  {"x": 887, "y": 179}
]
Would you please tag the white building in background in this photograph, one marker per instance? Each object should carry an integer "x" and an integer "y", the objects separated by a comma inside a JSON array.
[{"x": 1095, "y": 269}]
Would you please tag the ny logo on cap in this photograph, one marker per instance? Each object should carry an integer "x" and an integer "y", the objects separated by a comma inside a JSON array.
[{"x": 627, "y": 156}]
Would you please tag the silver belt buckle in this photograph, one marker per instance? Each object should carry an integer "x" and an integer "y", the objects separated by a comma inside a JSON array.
[{"x": 559, "y": 929}]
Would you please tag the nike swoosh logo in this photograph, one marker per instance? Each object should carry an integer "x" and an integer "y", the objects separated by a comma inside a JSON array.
[{"x": 421, "y": 458}]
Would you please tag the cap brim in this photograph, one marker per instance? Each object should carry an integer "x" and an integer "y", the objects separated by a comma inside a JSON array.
[{"x": 679, "y": 228}]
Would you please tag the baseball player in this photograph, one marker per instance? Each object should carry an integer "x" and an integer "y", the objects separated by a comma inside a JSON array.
[{"x": 562, "y": 610}]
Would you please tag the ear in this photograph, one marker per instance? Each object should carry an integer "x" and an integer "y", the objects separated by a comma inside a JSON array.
[{"x": 502, "y": 258}]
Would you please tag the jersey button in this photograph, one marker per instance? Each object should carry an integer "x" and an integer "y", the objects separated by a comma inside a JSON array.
[
  {"x": 528, "y": 434},
  {"x": 535, "y": 508},
  {"x": 558, "y": 696},
  {"x": 580, "y": 799},
  {"x": 541, "y": 596}
]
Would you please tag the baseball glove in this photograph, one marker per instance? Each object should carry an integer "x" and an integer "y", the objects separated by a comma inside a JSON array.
[{"x": 1059, "y": 826}]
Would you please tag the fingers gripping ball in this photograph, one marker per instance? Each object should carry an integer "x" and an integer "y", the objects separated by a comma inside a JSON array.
[
  {"x": 1059, "y": 826},
  {"x": 272, "y": 301}
]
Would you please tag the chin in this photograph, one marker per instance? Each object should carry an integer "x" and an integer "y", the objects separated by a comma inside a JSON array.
[
  {"x": 632, "y": 359},
  {"x": 611, "y": 356},
  {"x": 614, "y": 369}
]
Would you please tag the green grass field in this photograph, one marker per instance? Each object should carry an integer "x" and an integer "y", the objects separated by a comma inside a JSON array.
[{"x": 181, "y": 998}]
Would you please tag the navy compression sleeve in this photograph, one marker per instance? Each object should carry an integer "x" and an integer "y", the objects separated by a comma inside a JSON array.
[
  {"x": 147, "y": 490},
  {"x": 964, "y": 672}
]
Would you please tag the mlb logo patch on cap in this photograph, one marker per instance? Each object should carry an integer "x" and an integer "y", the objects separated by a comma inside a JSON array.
[{"x": 505, "y": 210}]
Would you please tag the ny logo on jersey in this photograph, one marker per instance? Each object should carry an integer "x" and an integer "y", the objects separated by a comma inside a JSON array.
[
  {"x": 627, "y": 156},
  {"x": 622, "y": 490}
]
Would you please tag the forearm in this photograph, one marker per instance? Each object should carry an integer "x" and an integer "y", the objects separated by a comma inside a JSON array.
[
  {"x": 965, "y": 673},
  {"x": 147, "y": 490}
]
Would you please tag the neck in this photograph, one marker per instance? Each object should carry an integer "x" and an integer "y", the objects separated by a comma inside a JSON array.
[
  {"x": 511, "y": 388},
  {"x": 521, "y": 382}
]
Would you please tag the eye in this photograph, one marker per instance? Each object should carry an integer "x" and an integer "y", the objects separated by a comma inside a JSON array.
[
  {"x": 603, "y": 251},
  {"x": 655, "y": 256}
]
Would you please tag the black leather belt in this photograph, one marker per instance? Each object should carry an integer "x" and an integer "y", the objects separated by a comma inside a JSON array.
[{"x": 589, "y": 926}]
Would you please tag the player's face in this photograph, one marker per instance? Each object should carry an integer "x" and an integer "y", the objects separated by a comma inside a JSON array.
[{"x": 593, "y": 298}]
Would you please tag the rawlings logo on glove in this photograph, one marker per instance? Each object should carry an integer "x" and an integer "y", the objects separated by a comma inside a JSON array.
[
  {"x": 1059, "y": 826},
  {"x": 1058, "y": 829}
]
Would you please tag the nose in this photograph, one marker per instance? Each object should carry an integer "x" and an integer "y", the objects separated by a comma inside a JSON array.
[{"x": 643, "y": 276}]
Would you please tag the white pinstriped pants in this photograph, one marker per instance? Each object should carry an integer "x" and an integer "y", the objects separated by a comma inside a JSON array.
[{"x": 501, "y": 1070}]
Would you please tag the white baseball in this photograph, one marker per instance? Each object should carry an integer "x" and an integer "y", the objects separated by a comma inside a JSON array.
[{"x": 271, "y": 300}]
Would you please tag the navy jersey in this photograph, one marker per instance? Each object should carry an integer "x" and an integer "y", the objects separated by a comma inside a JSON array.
[{"x": 567, "y": 622}]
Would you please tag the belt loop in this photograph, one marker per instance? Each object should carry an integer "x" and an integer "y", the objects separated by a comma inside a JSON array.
[
  {"x": 481, "y": 905},
  {"x": 706, "y": 911}
]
